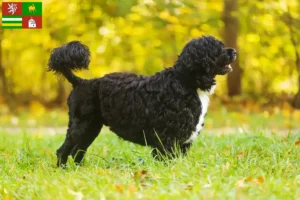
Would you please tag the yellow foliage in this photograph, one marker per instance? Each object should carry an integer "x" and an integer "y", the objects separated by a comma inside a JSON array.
[
  {"x": 37, "y": 108},
  {"x": 164, "y": 14},
  {"x": 252, "y": 37},
  {"x": 147, "y": 37},
  {"x": 195, "y": 32},
  {"x": 134, "y": 17}
]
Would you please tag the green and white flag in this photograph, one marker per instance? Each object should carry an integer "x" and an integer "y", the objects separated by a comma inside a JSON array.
[{"x": 11, "y": 22}]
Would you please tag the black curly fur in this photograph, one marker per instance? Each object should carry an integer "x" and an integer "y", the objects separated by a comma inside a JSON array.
[
  {"x": 71, "y": 56},
  {"x": 157, "y": 111}
]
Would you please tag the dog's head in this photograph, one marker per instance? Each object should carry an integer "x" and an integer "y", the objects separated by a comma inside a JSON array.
[{"x": 206, "y": 56}]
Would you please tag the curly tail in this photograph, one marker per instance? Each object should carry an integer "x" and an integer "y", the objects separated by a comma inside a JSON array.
[{"x": 71, "y": 56}]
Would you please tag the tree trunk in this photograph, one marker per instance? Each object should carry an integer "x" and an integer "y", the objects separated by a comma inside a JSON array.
[
  {"x": 230, "y": 35},
  {"x": 296, "y": 103},
  {"x": 4, "y": 88},
  {"x": 289, "y": 23}
]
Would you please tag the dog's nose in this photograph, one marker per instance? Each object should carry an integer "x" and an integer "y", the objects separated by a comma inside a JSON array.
[{"x": 232, "y": 53}]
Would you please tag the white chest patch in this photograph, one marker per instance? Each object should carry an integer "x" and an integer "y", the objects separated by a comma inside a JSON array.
[{"x": 204, "y": 99}]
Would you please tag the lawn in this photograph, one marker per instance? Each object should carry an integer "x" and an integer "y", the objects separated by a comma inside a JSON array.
[{"x": 253, "y": 165}]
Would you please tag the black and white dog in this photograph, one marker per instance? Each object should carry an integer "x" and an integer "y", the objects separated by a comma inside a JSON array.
[{"x": 159, "y": 111}]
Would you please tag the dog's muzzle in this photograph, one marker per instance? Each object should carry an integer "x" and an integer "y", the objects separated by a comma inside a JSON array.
[
  {"x": 228, "y": 68},
  {"x": 232, "y": 54}
]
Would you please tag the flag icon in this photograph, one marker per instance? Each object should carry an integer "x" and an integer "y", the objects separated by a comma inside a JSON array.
[
  {"x": 11, "y": 9},
  {"x": 21, "y": 15},
  {"x": 11, "y": 22},
  {"x": 32, "y": 22}
]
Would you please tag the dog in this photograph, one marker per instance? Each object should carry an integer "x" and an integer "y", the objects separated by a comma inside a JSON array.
[{"x": 162, "y": 111}]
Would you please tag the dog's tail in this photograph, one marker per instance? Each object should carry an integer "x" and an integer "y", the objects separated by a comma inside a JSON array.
[{"x": 71, "y": 56}]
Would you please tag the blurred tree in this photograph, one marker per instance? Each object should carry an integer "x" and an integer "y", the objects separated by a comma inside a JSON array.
[
  {"x": 230, "y": 35},
  {"x": 144, "y": 36},
  {"x": 294, "y": 37},
  {"x": 4, "y": 92}
]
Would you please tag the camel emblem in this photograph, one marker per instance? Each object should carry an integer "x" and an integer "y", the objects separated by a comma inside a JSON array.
[{"x": 31, "y": 8}]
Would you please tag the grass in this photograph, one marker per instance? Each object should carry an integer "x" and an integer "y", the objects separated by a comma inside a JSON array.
[{"x": 237, "y": 166}]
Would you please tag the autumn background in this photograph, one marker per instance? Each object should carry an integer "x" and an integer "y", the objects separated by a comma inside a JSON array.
[{"x": 145, "y": 37}]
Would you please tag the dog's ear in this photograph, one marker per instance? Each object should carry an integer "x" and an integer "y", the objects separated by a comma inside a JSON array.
[{"x": 206, "y": 65}]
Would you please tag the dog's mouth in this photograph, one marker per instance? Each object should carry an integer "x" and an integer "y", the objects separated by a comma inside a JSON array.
[
  {"x": 225, "y": 66},
  {"x": 228, "y": 68},
  {"x": 225, "y": 70}
]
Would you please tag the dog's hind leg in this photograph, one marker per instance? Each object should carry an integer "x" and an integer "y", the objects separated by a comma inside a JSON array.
[
  {"x": 85, "y": 140},
  {"x": 62, "y": 160},
  {"x": 75, "y": 131}
]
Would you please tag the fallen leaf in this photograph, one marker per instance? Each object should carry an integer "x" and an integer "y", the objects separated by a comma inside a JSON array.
[
  {"x": 189, "y": 186},
  {"x": 297, "y": 143},
  {"x": 140, "y": 174},
  {"x": 241, "y": 155},
  {"x": 257, "y": 181},
  {"x": 143, "y": 172},
  {"x": 260, "y": 179},
  {"x": 249, "y": 179},
  {"x": 119, "y": 188}
]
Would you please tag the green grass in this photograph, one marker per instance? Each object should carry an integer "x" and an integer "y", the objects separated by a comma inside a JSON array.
[{"x": 237, "y": 166}]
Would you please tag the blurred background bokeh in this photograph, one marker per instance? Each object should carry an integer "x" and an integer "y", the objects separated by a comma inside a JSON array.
[{"x": 146, "y": 36}]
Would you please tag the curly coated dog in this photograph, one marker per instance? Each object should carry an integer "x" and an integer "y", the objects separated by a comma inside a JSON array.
[{"x": 158, "y": 111}]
